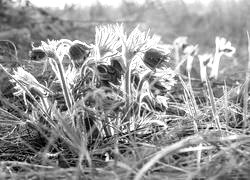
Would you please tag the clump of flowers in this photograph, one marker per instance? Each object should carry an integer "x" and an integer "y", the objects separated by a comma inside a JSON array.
[{"x": 106, "y": 78}]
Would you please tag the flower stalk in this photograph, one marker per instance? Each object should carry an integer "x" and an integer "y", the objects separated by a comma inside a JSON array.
[{"x": 56, "y": 62}]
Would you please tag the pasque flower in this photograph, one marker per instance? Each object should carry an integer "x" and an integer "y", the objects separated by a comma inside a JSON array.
[
  {"x": 205, "y": 60},
  {"x": 155, "y": 58},
  {"x": 161, "y": 81},
  {"x": 79, "y": 50},
  {"x": 110, "y": 73},
  {"x": 190, "y": 51},
  {"x": 138, "y": 41},
  {"x": 223, "y": 47},
  {"x": 107, "y": 39},
  {"x": 27, "y": 80},
  {"x": 180, "y": 43}
]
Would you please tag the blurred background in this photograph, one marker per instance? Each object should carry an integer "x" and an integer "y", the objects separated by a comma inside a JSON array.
[{"x": 24, "y": 21}]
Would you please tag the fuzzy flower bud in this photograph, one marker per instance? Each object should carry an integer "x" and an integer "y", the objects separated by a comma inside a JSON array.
[
  {"x": 79, "y": 51},
  {"x": 154, "y": 58}
]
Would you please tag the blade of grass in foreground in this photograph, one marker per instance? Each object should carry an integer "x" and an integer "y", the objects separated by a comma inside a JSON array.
[
  {"x": 212, "y": 101},
  {"x": 245, "y": 98},
  {"x": 193, "y": 108}
]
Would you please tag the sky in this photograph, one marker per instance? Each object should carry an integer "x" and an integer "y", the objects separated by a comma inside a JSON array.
[{"x": 61, "y": 3}]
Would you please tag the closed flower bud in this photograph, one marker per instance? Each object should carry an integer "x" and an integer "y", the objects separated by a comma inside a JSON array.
[
  {"x": 37, "y": 54},
  {"x": 79, "y": 51},
  {"x": 154, "y": 58},
  {"x": 109, "y": 74},
  {"x": 117, "y": 65}
]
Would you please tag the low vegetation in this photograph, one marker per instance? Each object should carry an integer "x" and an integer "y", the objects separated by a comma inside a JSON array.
[{"x": 127, "y": 106}]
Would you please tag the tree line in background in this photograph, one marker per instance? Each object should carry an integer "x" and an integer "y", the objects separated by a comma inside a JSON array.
[{"x": 169, "y": 19}]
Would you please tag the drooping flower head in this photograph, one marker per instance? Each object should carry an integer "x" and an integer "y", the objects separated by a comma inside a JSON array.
[
  {"x": 157, "y": 58},
  {"x": 181, "y": 42},
  {"x": 27, "y": 80},
  {"x": 50, "y": 49},
  {"x": 191, "y": 50},
  {"x": 79, "y": 50},
  {"x": 223, "y": 46},
  {"x": 205, "y": 59}
]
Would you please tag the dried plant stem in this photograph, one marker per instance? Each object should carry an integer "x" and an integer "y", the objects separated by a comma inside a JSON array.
[
  {"x": 24, "y": 164},
  {"x": 226, "y": 103},
  {"x": 193, "y": 109}
]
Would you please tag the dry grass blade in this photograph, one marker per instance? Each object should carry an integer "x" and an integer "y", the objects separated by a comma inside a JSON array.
[
  {"x": 212, "y": 101},
  {"x": 226, "y": 103},
  {"x": 245, "y": 100},
  {"x": 193, "y": 140}
]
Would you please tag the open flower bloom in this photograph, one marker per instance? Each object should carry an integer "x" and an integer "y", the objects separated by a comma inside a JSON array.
[
  {"x": 223, "y": 47},
  {"x": 107, "y": 39},
  {"x": 71, "y": 75},
  {"x": 205, "y": 60},
  {"x": 24, "y": 79},
  {"x": 136, "y": 42}
]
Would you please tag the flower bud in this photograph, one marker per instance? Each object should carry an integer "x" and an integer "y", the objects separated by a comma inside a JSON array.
[
  {"x": 109, "y": 73},
  {"x": 79, "y": 51},
  {"x": 154, "y": 58},
  {"x": 37, "y": 54}
]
